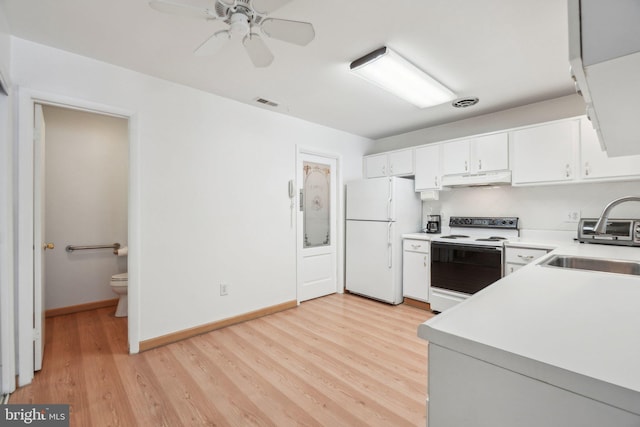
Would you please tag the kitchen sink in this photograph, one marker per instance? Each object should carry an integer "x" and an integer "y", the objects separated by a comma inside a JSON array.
[{"x": 593, "y": 264}]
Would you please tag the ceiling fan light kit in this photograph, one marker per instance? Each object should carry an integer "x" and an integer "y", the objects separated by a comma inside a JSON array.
[
  {"x": 391, "y": 72},
  {"x": 246, "y": 19}
]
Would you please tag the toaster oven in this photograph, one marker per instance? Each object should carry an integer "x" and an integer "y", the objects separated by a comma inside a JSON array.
[{"x": 621, "y": 232}]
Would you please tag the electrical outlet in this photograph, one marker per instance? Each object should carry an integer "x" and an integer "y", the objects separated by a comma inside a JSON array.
[
  {"x": 572, "y": 216},
  {"x": 224, "y": 289}
]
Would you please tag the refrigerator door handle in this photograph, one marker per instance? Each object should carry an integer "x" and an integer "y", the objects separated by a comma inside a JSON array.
[
  {"x": 390, "y": 201},
  {"x": 389, "y": 246}
]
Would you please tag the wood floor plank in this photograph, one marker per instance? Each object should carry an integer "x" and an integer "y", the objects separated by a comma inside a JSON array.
[
  {"x": 350, "y": 353},
  {"x": 340, "y": 360},
  {"x": 381, "y": 393},
  {"x": 104, "y": 387},
  {"x": 291, "y": 384}
]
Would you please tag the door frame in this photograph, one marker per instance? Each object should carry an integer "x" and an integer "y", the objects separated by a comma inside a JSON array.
[
  {"x": 339, "y": 217},
  {"x": 7, "y": 221},
  {"x": 26, "y": 99}
]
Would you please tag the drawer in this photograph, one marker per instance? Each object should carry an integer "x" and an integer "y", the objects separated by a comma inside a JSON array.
[
  {"x": 416, "y": 246},
  {"x": 522, "y": 255}
]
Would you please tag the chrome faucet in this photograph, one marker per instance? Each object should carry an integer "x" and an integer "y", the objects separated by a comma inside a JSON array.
[{"x": 601, "y": 225}]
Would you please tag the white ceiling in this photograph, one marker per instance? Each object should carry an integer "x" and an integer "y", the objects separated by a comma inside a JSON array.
[{"x": 505, "y": 52}]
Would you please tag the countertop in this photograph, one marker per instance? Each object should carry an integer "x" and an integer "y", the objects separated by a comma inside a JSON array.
[
  {"x": 419, "y": 236},
  {"x": 578, "y": 330}
]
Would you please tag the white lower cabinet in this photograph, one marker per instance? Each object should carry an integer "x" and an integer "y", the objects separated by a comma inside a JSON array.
[
  {"x": 466, "y": 391},
  {"x": 416, "y": 269},
  {"x": 516, "y": 257}
]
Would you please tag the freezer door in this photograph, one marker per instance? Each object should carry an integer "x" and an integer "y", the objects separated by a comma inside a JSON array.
[
  {"x": 371, "y": 199},
  {"x": 372, "y": 262}
]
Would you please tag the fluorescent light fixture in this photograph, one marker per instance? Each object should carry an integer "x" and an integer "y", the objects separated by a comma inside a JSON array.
[{"x": 391, "y": 72}]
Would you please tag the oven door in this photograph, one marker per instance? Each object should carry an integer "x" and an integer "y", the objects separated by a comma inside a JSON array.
[{"x": 463, "y": 268}]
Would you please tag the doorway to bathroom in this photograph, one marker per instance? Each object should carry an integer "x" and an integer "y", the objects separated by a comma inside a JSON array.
[
  {"x": 83, "y": 193},
  {"x": 30, "y": 293},
  {"x": 85, "y": 207}
]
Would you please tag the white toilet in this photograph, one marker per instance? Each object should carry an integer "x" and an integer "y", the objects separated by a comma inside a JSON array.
[{"x": 119, "y": 284}]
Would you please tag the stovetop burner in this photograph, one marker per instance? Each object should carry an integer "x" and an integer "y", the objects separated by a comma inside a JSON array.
[
  {"x": 492, "y": 239},
  {"x": 480, "y": 231}
]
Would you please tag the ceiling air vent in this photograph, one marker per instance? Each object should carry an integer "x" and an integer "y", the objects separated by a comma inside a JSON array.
[
  {"x": 465, "y": 102},
  {"x": 267, "y": 102}
]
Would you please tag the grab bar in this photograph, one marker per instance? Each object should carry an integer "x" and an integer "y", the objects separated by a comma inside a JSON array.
[{"x": 71, "y": 248}]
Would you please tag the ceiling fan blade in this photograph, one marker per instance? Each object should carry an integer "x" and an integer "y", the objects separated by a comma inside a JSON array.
[
  {"x": 257, "y": 50},
  {"x": 296, "y": 32},
  {"x": 213, "y": 43},
  {"x": 265, "y": 7},
  {"x": 182, "y": 9}
]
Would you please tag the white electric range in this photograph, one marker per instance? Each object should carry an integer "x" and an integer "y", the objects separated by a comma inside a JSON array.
[{"x": 468, "y": 258}]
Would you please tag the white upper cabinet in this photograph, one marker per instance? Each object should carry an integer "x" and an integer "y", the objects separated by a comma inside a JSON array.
[
  {"x": 393, "y": 163},
  {"x": 595, "y": 164},
  {"x": 401, "y": 162},
  {"x": 604, "y": 53},
  {"x": 490, "y": 153},
  {"x": 455, "y": 157},
  {"x": 545, "y": 153},
  {"x": 427, "y": 175},
  {"x": 478, "y": 155},
  {"x": 376, "y": 166}
]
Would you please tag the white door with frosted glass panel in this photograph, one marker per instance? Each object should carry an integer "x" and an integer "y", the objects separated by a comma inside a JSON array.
[{"x": 317, "y": 250}]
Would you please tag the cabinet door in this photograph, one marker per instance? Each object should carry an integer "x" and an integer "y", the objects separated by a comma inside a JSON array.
[
  {"x": 511, "y": 268},
  {"x": 595, "y": 164},
  {"x": 375, "y": 166},
  {"x": 544, "y": 153},
  {"x": 490, "y": 153},
  {"x": 455, "y": 157},
  {"x": 427, "y": 175},
  {"x": 401, "y": 162},
  {"x": 415, "y": 275}
]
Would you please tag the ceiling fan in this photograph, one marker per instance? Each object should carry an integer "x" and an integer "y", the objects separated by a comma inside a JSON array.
[{"x": 245, "y": 18}]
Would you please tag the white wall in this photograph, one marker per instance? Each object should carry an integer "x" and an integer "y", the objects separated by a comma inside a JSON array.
[
  {"x": 213, "y": 177},
  {"x": 539, "y": 207},
  {"x": 86, "y": 178}
]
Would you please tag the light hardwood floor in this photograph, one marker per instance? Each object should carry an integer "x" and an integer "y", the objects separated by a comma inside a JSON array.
[{"x": 340, "y": 360}]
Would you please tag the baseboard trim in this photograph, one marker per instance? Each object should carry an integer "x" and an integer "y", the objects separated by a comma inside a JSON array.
[
  {"x": 418, "y": 304},
  {"x": 198, "y": 330},
  {"x": 81, "y": 307}
]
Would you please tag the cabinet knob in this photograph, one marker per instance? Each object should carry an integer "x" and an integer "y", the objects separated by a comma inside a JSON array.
[
  {"x": 466, "y": 166},
  {"x": 479, "y": 165},
  {"x": 568, "y": 170},
  {"x": 586, "y": 168}
]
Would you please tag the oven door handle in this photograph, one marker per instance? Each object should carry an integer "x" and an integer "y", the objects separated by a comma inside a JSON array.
[{"x": 389, "y": 246}]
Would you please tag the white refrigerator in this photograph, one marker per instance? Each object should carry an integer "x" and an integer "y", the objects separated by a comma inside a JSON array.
[{"x": 379, "y": 211}]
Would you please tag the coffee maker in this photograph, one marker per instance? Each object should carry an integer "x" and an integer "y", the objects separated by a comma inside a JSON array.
[{"x": 433, "y": 224}]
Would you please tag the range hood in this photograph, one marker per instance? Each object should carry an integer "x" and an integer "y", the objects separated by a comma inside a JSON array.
[{"x": 477, "y": 180}]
